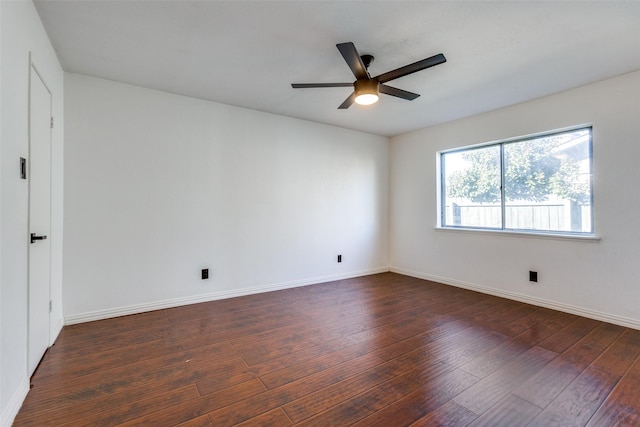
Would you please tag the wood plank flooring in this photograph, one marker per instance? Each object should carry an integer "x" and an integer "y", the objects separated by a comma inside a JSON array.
[{"x": 381, "y": 350}]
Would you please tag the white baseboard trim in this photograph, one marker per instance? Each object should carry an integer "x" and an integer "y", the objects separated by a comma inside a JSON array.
[
  {"x": 580, "y": 311},
  {"x": 12, "y": 409},
  {"x": 176, "y": 302}
]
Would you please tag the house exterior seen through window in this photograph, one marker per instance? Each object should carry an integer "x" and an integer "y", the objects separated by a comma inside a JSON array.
[{"x": 540, "y": 184}]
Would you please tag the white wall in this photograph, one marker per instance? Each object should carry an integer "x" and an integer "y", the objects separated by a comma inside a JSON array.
[
  {"x": 594, "y": 279},
  {"x": 159, "y": 186},
  {"x": 22, "y": 32}
]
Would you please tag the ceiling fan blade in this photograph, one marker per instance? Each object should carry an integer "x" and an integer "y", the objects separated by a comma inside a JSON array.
[
  {"x": 393, "y": 91},
  {"x": 310, "y": 85},
  {"x": 411, "y": 68},
  {"x": 352, "y": 57},
  {"x": 347, "y": 102}
]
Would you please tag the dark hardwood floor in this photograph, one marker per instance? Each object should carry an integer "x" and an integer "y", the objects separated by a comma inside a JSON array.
[{"x": 382, "y": 350}]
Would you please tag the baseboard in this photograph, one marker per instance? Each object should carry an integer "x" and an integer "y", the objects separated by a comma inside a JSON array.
[
  {"x": 567, "y": 308},
  {"x": 12, "y": 409},
  {"x": 176, "y": 302}
]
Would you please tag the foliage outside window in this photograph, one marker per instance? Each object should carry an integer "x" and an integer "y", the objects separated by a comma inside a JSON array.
[{"x": 535, "y": 184}]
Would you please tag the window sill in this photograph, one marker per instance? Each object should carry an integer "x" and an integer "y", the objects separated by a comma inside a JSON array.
[{"x": 530, "y": 235}]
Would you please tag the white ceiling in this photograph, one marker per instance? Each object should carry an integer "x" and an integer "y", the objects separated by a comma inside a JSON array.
[{"x": 247, "y": 53}]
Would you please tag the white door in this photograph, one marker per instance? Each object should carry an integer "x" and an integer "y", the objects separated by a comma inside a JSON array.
[{"x": 39, "y": 218}]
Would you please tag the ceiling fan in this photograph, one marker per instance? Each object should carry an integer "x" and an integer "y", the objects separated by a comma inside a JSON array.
[{"x": 366, "y": 88}]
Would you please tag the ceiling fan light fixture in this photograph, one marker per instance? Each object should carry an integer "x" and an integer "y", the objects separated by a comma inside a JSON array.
[
  {"x": 366, "y": 88},
  {"x": 366, "y": 92}
]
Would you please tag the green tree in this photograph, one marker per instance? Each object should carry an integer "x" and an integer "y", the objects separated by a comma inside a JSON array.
[
  {"x": 534, "y": 170},
  {"x": 480, "y": 182}
]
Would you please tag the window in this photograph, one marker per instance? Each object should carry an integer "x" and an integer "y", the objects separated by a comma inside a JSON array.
[{"x": 534, "y": 184}]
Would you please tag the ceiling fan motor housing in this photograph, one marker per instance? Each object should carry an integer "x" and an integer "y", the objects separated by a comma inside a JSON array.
[{"x": 366, "y": 86}]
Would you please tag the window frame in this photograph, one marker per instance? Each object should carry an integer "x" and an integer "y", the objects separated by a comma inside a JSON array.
[{"x": 442, "y": 196}]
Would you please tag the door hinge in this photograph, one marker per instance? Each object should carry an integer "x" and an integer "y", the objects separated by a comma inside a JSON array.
[
  {"x": 51, "y": 122},
  {"x": 50, "y": 306},
  {"x": 23, "y": 168}
]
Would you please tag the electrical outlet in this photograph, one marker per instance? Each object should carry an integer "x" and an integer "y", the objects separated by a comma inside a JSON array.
[
  {"x": 205, "y": 273},
  {"x": 339, "y": 258},
  {"x": 533, "y": 276}
]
